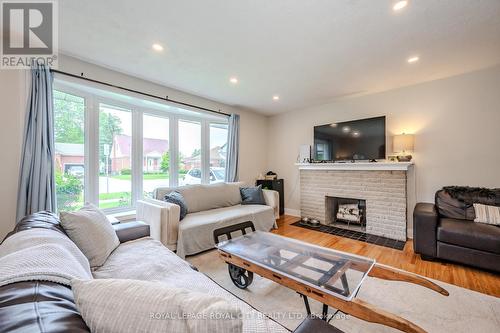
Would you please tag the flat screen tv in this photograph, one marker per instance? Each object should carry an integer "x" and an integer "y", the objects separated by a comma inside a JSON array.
[{"x": 362, "y": 139}]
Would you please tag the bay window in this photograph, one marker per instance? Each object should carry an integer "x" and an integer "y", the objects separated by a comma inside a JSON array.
[{"x": 114, "y": 149}]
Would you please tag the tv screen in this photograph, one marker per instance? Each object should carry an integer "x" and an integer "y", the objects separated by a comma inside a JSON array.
[{"x": 362, "y": 139}]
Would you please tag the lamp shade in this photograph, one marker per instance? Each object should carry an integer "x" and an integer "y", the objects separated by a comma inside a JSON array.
[{"x": 403, "y": 143}]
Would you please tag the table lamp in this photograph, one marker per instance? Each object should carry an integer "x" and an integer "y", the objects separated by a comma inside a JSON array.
[{"x": 402, "y": 145}]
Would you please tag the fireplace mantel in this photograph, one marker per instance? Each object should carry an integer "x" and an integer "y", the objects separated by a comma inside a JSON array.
[{"x": 362, "y": 166}]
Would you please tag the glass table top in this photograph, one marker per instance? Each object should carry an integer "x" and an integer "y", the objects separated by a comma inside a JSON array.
[{"x": 337, "y": 273}]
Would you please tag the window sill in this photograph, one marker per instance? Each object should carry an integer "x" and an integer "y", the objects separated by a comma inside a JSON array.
[{"x": 121, "y": 216}]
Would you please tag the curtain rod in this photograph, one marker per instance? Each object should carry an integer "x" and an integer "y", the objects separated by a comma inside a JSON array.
[{"x": 219, "y": 112}]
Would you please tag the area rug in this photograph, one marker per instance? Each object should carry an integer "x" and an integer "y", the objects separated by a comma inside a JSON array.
[{"x": 463, "y": 311}]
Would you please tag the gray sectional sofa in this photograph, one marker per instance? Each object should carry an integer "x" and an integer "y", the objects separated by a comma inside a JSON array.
[{"x": 31, "y": 305}]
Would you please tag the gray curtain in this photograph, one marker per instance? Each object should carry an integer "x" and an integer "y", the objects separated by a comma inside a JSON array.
[
  {"x": 36, "y": 182},
  {"x": 233, "y": 144}
]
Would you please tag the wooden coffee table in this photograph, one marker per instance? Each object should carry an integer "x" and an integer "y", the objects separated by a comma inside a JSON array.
[{"x": 328, "y": 276}]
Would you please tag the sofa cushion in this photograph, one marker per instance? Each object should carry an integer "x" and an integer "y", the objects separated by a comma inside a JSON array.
[
  {"x": 92, "y": 232},
  {"x": 469, "y": 234},
  {"x": 196, "y": 230},
  {"x": 157, "y": 307},
  {"x": 468, "y": 256},
  {"x": 252, "y": 195},
  {"x": 204, "y": 197},
  {"x": 159, "y": 193},
  {"x": 154, "y": 262}
]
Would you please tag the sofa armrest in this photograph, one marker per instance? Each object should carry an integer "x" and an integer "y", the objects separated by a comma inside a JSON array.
[
  {"x": 425, "y": 221},
  {"x": 128, "y": 231},
  {"x": 273, "y": 199},
  {"x": 163, "y": 218}
]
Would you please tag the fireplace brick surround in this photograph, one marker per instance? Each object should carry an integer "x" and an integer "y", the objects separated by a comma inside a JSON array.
[{"x": 385, "y": 192}]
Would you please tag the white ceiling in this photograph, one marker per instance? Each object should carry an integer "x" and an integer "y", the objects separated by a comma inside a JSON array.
[{"x": 308, "y": 52}]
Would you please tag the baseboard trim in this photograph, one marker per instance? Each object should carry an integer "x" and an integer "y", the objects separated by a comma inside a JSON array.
[
  {"x": 409, "y": 233},
  {"x": 292, "y": 212}
]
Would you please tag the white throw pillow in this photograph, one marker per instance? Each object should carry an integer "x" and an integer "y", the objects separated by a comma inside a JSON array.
[
  {"x": 92, "y": 232},
  {"x": 487, "y": 214},
  {"x": 116, "y": 305}
]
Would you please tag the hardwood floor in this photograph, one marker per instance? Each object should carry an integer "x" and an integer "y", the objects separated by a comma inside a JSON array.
[{"x": 463, "y": 276}]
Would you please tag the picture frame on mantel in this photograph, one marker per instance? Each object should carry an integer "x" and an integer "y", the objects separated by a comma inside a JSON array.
[{"x": 392, "y": 158}]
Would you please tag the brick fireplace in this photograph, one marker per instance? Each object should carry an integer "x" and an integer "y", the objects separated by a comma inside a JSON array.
[{"x": 381, "y": 190}]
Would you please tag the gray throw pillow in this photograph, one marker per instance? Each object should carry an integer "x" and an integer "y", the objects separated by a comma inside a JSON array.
[
  {"x": 177, "y": 198},
  {"x": 92, "y": 232},
  {"x": 252, "y": 195}
]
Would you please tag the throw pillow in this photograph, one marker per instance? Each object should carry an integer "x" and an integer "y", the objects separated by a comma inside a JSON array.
[
  {"x": 92, "y": 232},
  {"x": 487, "y": 214},
  {"x": 177, "y": 198},
  {"x": 120, "y": 305},
  {"x": 252, "y": 195}
]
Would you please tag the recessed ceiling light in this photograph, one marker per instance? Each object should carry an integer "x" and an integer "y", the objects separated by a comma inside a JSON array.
[
  {"x": 400, "y": 5},
  {"x": 276, "y": 98},
  {"x": 413, "y": 59},
  {"x": 346, "y": 129},
  {"x": 157, "y": 47},
  {"x": 355, "y": 134},
  {"x": 233, "y": 80}
]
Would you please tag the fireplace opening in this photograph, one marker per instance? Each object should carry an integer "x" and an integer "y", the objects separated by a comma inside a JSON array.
[{"x": 346, "y": 213}]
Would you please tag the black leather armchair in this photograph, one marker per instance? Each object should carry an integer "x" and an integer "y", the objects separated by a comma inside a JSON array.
[{"x": 446, "y": 229}]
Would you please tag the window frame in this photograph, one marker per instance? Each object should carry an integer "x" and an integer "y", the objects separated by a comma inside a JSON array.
[
  {"x": 208, "y": 140},
  {"x": 159, "y": 114},
  {"x": 91, "y": 141},
  {"x": 98, "y": 100}
]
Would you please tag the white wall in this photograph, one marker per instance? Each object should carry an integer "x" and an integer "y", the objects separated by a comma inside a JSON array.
[
  {"x": 456, "y": 122},
  {"x": 13, "y": 90},
  {"x": 12, "y": 107}
]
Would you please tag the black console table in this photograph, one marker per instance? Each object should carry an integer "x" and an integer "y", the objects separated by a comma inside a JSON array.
[{"x": 276, "y": 185}]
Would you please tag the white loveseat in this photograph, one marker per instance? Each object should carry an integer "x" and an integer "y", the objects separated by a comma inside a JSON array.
[{"x": 209, "y": 207}]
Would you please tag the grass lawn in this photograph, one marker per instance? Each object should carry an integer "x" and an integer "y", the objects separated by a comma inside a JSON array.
[
  {"x": 146, "y": 176},
  {"x": 111, "y": 204},
  {"x": 114, "y": 195},
  {"x": 112, "y": 200}
]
